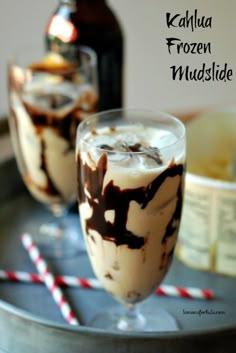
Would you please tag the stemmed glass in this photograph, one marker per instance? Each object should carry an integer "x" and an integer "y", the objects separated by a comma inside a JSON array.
[
  {"x": 49, "y": 95},
  {"x": 131, "y": 167}
]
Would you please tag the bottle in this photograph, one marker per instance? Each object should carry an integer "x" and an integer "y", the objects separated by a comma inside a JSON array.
[{"x": 92, "y": 23}]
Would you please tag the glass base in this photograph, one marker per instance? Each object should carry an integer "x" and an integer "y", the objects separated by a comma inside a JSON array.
[
  {"x": 150, "y": 318},
  {"x": 59, "y": 239}
]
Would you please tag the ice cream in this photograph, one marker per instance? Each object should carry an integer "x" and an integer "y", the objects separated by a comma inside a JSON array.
[
  {"x": 46, "y": 106},
  {"x": 217, "y": 166},
  {"x": 130, "y": 200}
]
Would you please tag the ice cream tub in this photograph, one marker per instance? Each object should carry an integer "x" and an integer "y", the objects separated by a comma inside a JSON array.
[{"x": 207, "y": 238}]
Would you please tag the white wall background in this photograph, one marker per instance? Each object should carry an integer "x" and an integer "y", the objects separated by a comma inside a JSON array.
[{"x": 148, "y": 81}]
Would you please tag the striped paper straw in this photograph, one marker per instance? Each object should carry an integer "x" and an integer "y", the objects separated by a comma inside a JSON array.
[
  {"x": 92, "y": 283},
  {"x": 185, "y": 292},
  {"x": 49, "y": 279}
]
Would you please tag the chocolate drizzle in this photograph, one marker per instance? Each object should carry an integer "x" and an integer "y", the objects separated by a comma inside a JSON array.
[
  {"x": 50, "y": 187},
  {"x": 61, "y": 125},
  {"x": 114, "y": 198},
  {"x": 150, "y": 152}
]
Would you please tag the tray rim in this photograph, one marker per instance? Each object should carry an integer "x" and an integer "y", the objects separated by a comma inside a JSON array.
[
  {"x": 179, "y": 334},
  {"x": 225, "y": 329}
]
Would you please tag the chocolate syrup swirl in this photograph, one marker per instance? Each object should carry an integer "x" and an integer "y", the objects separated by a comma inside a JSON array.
[
  {"x": 62, "y": 126},
  {"x": 117, "y": 199},
  {"x": 50, "y": 188},
  {"x": 150, "y": 152}
]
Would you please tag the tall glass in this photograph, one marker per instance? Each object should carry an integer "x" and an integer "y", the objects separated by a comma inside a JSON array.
[
  {"x": 49, "y": 95},
  {"x": 131, "y": 169}
]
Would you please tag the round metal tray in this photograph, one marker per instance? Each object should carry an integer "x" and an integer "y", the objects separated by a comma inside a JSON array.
[{"x": 31, "y": 322}]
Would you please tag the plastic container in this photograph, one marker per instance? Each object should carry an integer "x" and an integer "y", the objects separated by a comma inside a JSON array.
[{"x": 207, "y": 238}]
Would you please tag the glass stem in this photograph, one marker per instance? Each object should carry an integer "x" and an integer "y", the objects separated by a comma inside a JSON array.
[
  {"x": 55, "y": 227},
  {"x": 58, "y": 210},
  {"x": 132, "y": 320}
]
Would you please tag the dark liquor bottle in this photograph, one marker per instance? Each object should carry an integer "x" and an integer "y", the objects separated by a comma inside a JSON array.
[{"x": 92, "y": 23}]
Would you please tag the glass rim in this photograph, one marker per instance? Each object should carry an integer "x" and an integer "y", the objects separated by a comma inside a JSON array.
[
  {"x": 18, "y": 51},
  {"x": 156, "y": 113}
]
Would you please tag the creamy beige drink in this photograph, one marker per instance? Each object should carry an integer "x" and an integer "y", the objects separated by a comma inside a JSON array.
[
  {"x": 47, "y": 101},
  {"x": 130, "y": 200}
]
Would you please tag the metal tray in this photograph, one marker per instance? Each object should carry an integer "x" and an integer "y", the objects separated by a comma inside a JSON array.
[{"x": 31, "y": 322}]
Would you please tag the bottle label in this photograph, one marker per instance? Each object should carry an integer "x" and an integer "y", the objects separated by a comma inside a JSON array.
[{"x": 62, "y": 29}]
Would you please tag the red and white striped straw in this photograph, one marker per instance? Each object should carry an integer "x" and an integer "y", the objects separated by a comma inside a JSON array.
[
  {"x": 68, "y": 281},
  {"x": 92, "y": 283},
  {"x": 49, "y": 279},
  {"x": 185, "y": 292}
]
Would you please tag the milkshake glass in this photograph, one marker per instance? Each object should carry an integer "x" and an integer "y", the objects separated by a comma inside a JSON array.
[
  {"x": 49, "y": 95},
  {"x": 131, "y": 168}
]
